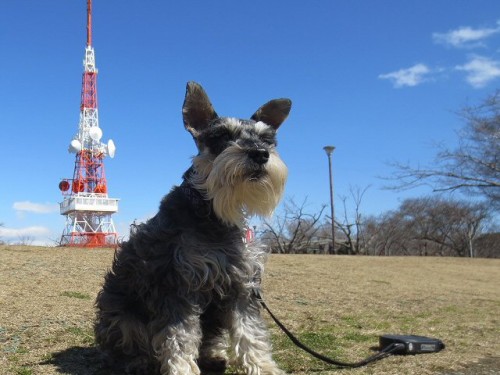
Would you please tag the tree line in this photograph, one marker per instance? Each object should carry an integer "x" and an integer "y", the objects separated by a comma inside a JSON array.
[{"x": 439, "y": 224}]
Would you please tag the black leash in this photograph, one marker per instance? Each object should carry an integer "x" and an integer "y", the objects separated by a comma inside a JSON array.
[{"x": 384, "y": 353}]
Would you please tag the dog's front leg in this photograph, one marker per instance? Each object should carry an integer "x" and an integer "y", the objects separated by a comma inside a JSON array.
[
  {"x": 176, "y": 345},
  {"x": 250, "y": 340}
]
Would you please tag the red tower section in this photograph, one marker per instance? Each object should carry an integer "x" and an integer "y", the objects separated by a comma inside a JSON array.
[
  {"x": 86, "y": 204},
  {"x": 89, "y": 90}
]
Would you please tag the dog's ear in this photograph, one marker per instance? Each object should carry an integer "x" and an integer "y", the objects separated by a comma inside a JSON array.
[
  {"x": 274, "y": 112},
  {"x": 197, "y": 111}
]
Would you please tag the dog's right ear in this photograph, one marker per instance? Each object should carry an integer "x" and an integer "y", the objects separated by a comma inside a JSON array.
[{"x": 197, "y": 111}]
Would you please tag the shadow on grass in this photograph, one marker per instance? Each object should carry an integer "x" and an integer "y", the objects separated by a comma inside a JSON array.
[{"x": 80, "y": 361}]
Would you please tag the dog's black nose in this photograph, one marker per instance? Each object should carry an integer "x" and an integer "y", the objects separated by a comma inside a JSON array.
[{"x": 259, "y": 155}]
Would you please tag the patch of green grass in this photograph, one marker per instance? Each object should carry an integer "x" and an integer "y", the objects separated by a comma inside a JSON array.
[
  {"x": 15, "y": 359},
  {"x": 302, "y": 302},
  {"x": 351, "y": 321},
  {"x": 84, "y": 334},
  {"x": 381, "y": 325},
  {"x": 292, "y": 359},
  {"x": 12, "y": 345},
  {"x": 22, "y": 350},
  {"x": 450, "y": 309},
  {"x": 408, "y": 323},
  {"x": 354, "y": 336},
  {"x": 380, "y": 282},
  {"x": 319, "y": 339},
  {"x": 24, "y": 370},
  {"x": 75, "y": 295},
  {"x": 48, "y": 357}
]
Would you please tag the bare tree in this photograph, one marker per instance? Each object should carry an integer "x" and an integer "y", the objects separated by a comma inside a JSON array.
[
  {"x": 449, "y": 225},
  {"x": 387, "y": 235},
  {"x": 473, "y": 166},
  {"x": 487, "y": 245},
  {"x": 428, "y": 226},
  {"x": 25, "y": 240},
  {"x": 294, "y": 230},
  {"x": 351, "y": 224}
]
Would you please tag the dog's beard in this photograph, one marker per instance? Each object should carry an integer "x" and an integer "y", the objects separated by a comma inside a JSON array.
[{"x": 237, "y": 187}]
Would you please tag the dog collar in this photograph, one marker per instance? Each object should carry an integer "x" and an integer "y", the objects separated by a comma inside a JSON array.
[{"x": 202, "y": 208}]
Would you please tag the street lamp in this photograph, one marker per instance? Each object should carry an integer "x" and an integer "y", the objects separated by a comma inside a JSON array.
[{"x": 329, "y": 151}]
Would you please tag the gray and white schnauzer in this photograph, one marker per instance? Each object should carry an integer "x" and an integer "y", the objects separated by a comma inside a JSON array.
[{"x": 179, "y": 296}]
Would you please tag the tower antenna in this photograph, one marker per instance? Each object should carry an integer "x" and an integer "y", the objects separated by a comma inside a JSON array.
[
  {"x": 86, "y": 204},
  {"x": 89, "y": 23}
]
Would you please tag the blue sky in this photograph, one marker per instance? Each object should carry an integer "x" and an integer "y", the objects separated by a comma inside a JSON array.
[{"x": 380, "y": 80}]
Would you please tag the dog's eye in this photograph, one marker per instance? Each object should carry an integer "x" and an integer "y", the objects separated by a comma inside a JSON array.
[
  {"x": 268, "y": 140},
  {"x": 218, "y": 140}
]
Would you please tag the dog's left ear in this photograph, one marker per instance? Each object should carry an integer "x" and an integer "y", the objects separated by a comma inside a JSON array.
[
  {"x": 274, "y": 112},
  {"x": 197, "y": 111}
]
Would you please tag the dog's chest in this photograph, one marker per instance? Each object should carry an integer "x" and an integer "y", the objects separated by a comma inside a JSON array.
[{"x": 219, "y": 268}]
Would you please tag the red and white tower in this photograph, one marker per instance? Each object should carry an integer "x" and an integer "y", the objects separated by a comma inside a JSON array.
[{"x": 86, "y": 204}]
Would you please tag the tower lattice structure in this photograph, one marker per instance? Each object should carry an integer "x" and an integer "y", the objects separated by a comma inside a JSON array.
[{"x": 86, "y": 203}]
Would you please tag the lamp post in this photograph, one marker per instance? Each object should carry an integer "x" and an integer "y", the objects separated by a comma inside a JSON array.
[{"x": 329, "y": 151}]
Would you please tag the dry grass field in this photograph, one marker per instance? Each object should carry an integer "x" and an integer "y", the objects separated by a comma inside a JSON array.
[{"x": 337, "y": 304}]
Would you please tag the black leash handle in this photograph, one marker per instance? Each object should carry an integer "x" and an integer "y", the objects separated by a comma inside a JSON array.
[{"x": 385, "y": 352}]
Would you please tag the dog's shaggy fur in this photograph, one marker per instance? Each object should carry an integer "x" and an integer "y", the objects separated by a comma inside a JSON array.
[{"x": 179, "y": 295}]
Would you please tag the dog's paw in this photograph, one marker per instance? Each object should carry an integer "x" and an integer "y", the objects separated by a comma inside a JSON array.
[
  {"x": 141, "y": 366},
  {"x": 274, "y": 371},
  {"x": 215, "y": 365},
  {"x": 271, "y": 369}
]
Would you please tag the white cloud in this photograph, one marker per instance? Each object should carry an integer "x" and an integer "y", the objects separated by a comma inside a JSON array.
[
  {"x": 37, "y": 208},
  {"x": 34, "y": 231},
  {"x": 410, "y": 77},
  {"x": 480, "y": 71},
  {"x": 465, "y": 36}
]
